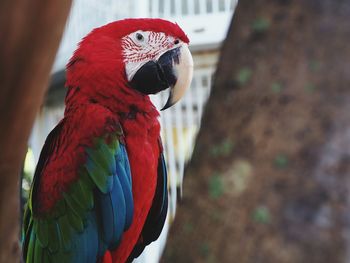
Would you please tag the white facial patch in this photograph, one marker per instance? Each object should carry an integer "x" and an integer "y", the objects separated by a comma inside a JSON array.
[{"x": 142, "y": 46}]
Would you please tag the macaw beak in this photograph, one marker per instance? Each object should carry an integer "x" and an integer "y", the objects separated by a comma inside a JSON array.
[
  {"x": 173, "y": 69},
  {"x": 184, "y": 70}
]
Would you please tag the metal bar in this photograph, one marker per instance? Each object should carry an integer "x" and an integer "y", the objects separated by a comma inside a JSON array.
[
  {"x": 190, "y": 7},
  {"x": 154, "y": 8},
  {"x": 167, "y": 8},
  {"x": 202, "y": 6},
  {"x": 215, "y": 4},
  {"x": 178, "y": 7},
  {"x": 228, "y": 5}
]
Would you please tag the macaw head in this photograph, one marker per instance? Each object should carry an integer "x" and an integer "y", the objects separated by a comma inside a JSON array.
[{"x": 132, "y": 58}]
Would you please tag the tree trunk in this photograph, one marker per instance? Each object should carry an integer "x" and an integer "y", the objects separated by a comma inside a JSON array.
[
  {"x": 270, "y": 176},
  {"x": 30, "y": 32}
]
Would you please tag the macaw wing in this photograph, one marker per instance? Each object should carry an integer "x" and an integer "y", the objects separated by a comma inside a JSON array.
[
  {"x": 92, "y": 214},
  {"x": 157, "y": 215}
]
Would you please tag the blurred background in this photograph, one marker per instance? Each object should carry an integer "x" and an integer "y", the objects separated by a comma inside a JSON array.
[{"x": 262, "y": 136}]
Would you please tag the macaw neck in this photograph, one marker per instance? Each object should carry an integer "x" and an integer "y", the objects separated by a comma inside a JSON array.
[{"x": 123, "y": 101}]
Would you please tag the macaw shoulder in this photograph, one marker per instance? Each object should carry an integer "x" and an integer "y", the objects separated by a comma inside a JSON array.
[{"x": 92, "y": 120}]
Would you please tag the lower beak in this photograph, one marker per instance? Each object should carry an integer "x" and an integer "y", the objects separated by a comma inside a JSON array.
[{"x": 184, "y": 72}]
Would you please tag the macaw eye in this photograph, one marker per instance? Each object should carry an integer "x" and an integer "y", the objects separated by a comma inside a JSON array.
[{"x": 139, "y": 37}]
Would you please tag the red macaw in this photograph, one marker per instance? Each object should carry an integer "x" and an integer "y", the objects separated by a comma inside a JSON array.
[{"x": 99, "y": 192}]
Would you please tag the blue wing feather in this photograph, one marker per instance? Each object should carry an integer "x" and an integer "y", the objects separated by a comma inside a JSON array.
[
  {"x": 123, "y": 173},
  {"x": 86, "y": 244},
  {"x": 125, "y": 164},
  {"x": 113, "y": 211}
]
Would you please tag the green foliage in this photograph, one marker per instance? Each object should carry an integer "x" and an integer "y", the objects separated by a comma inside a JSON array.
[
  {"x": 224, "y": 148},
  {"x": 314, "y": 65},
  {"x": 310, "y": 87},
  {"x": 27, "y": 174},
  {"x": 216, "y": 186},
  {"x": 26, "y": 182},
  {"x": 244, "y": 76},
  {"x": 188, "y": 227},
  {"x": 276, "y": 87},
  {"x": 217, "y": 215},
  {"x": 204, "y": 249},
  {"x": 261, "y": 215},
  {"x": 281, "y": 161},
  {"x": 260, "y": 25}
]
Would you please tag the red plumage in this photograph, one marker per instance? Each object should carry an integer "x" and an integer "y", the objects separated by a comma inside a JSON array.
[
  {"x": 81, "y": 125},
  {"x": 96, "y": 76}
]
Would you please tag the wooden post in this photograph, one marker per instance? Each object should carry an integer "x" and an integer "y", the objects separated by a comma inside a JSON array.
[
  {"x": 270, "y": 176},
  {"x": 30, "y": 32}
]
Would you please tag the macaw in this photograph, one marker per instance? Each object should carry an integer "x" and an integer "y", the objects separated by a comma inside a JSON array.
[{"x": 99, "y": 192}]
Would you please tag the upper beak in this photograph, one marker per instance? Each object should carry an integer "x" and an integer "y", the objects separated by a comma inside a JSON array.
[{"x": 183, "y": 68}]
